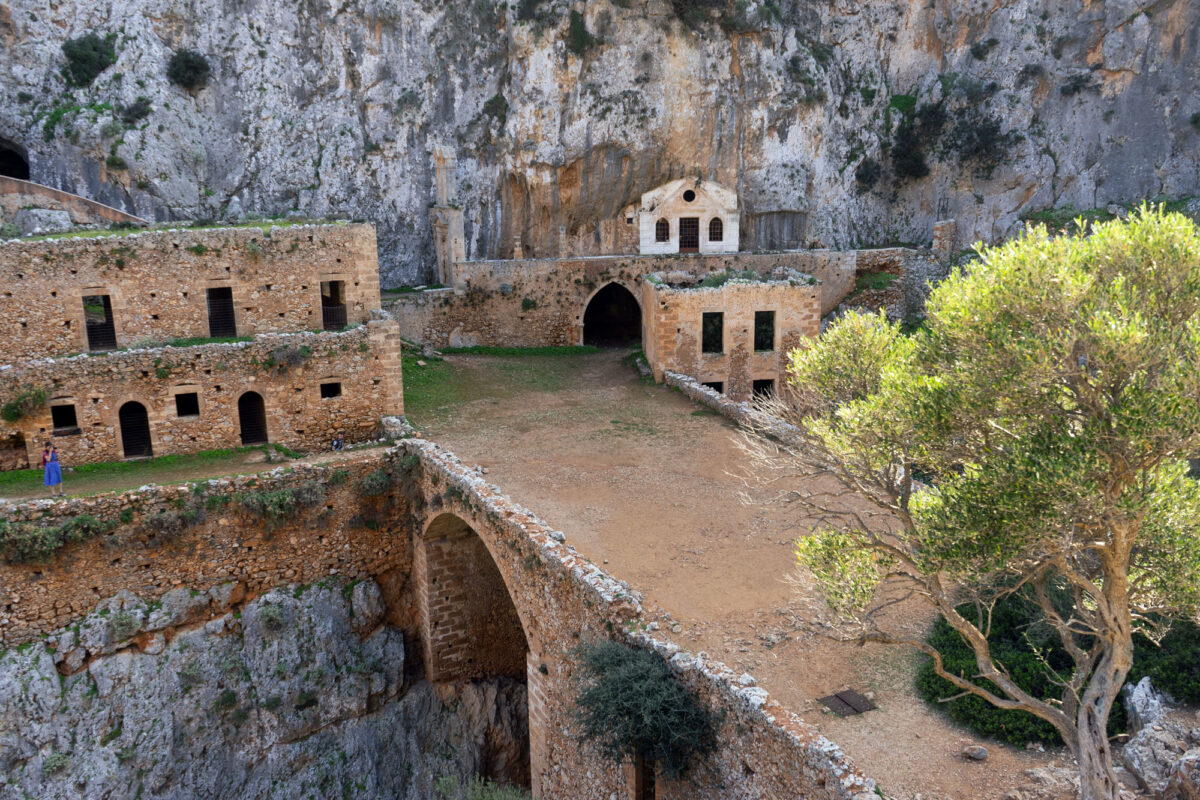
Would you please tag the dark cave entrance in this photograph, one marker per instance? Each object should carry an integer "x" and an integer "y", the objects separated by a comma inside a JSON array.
[
  {"x": 13, "y": 163},
  {"x": 613, "y": 318}
]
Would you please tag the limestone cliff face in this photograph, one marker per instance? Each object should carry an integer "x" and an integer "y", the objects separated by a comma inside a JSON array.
[
  {"x": 824, "y": 115},
  {"x": 301, "y": 693}
]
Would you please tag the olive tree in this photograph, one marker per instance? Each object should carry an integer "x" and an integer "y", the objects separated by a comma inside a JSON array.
[{"x": 1032, "y": 437}]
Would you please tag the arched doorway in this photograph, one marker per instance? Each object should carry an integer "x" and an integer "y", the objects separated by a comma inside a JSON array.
[
  {"x": 472, "y": 631},
  {"x": 252, "y": 416},
  {"x": 135, "y": 430},
  {"x": 13, "y": 163},
  {"x": 613, "y": 318}
]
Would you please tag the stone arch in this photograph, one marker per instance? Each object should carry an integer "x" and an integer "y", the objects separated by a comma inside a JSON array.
[
  {"x": 469, "y": 621},
  {"x": 14, "y": 162},
  {"x": 471, "y": 630},
  {"x": 612, "y": 317},
  {"x": 662, "y": 231}
]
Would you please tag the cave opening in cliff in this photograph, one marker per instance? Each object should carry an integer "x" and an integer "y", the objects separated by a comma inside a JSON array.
[
  {"x": 13, "y": 163},
  {"x": 473, "y": 633},
  {"x": 613, "y": 318}
]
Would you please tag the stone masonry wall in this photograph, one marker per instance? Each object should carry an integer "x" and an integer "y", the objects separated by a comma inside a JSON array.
[
  {"x": 287, "y": 370},
  {"x": 561, "y": 599},
  {"x": 672, "y": 321},
  {"x": 540, "y": 302},
  {"x": 157, "y": 282}
]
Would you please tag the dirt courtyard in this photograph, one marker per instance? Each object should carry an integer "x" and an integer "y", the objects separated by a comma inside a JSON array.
[{"x": 641, "y": 480}]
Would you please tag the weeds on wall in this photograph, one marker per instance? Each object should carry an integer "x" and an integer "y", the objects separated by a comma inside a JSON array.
[
  {"x": 631, "y": 705},
  {"x": 448, "y": 787},
  {"x": 277, "y": 506},
  {"x": 32, "y": 542},
  {"x": 27, "y": 400}
]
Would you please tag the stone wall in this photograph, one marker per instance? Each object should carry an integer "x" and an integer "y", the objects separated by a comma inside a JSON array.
[
  {"x": 673, "y": 308},
  {"x": 157, "y": 282},
  {"x": 915, "y": 271},
  {"x": 16, "y": 194},
  {"x": 539, "y": 302},
  {"x": 287, "y": 370},
  {"x": 560, "y": 598}
]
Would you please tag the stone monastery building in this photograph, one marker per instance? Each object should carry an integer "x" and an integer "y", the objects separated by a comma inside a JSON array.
[{"x": 177, "y": 341}]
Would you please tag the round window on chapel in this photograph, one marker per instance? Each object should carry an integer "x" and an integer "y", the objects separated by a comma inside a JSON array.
[{"x": 689, "y": 196}]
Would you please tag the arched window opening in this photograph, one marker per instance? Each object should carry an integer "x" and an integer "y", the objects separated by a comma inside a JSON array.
[
  {"x": 612, "y": 318},
  {"x": 662, "y": 231},
  {"x": 716, "y": 230}
]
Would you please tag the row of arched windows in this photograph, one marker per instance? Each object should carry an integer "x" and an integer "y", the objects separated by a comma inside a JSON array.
[{"x": 716, "y": 230}]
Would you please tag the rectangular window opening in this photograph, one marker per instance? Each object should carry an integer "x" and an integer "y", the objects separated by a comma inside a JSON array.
[
  {"x": 187, "y": 404},
  {"x": 332, "y": 389},
  {"x": 712, "y": 332},
  {"x": 64, "y": 420},
  {"x": 98, "y": 321},
  {"x": 333, "y": 305},
  {"x": 764, "y": 388},
  {"x": 764, "y": 331},
  {"x": 221, "y": 320}
]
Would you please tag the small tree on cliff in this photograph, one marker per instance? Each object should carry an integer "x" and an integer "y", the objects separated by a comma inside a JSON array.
[{"x": 1031, "y": 438}]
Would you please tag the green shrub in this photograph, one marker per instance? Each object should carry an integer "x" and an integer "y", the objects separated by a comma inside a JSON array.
[
  {"x": 1195, "y": 120},
  {"x": 55, "y": 763},
  {"x": 1173, "y": 665},
  {"x": 29, "y": 542},
  {"x": 122, "y": 625},
  {"x": 497, "y": 107},
  {"x": 225, "y": 700},
  {"x": 116, "y": 162},
  {"x": 188, "y": 69},
  {"x": 88, "y": 56},
  {"x": 579, "y": 40},
  {"x": 528, "y": 304},
  {"x": 281, "y": 504},
  {"x": 1019, "y": 635},
  {"x": 27, "y": 400},
  {"x": 375, "y": 483},
  {"x": 134, "y": 112},
  {"x": 9, "y": 231},
  {"x": 630, "y": 705},
  {"x": 867, "y": 174},
  {"x": 271, "y": 616}
]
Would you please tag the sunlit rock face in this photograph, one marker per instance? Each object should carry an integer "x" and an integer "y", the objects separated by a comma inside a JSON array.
[{"x": 837, "y": 123}]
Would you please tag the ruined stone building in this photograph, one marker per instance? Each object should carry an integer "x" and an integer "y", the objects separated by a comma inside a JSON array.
[
  {"x": 176, "y": 341},
  {"x": 731, "y": 333}
]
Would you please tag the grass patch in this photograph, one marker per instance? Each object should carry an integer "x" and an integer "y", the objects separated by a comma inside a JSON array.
[
  {"x": 874, "y": 280},
  {"x": 481, "y": 350},
  {"x": 102, "y": 477}
]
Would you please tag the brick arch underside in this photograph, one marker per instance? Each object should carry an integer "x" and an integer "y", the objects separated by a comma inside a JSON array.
[{"x": 471, "y": 627}]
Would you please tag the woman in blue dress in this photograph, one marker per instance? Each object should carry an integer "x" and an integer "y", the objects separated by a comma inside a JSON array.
[{"x": 52, "y": 470}]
